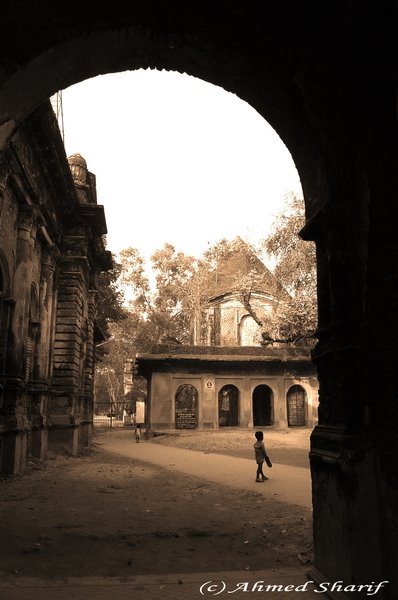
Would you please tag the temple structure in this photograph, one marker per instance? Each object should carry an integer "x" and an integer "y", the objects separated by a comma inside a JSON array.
[{"x": 227, "y": 378}]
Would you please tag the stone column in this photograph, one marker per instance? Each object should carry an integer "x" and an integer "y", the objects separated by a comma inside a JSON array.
[
  {"x": 343, "y": 457},
  {"x": 66, "y": 384},
  {"x": 207, "y": 403},
  {"x": 245, "y": 403},
  {"x": 87, "y": 409},
  {"x": 278, "y": 387},
  {"x": 39, "y": 436},
  {"x": 381, "y": 412},
  {"x": 27, "y": 225},
  {"x": 15, "y": 402}
]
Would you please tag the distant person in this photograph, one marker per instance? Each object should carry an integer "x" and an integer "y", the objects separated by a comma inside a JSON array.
[
  {"x": 261, "y": 456},
  {"x": 137, "y": 432}
]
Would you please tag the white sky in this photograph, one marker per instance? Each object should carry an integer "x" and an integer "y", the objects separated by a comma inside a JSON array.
[{"x": 177, "y": 160}]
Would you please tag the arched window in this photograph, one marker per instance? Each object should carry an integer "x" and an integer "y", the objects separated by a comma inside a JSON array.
[
  {"x": 249, "y": 332},
  {"x": 263, "y": 406},
  {"x": 228, "y": 406},
  {"x": 296, "y": 399},
  {"x": 186, "y": 407}
]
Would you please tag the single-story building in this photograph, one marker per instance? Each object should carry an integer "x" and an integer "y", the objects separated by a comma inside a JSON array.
[{"x": 207, "y": 388}]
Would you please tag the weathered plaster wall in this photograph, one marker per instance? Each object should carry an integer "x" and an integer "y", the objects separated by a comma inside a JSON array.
[
  {"x": 208, "y": 384},
  {"x": 162, "y": 407}
]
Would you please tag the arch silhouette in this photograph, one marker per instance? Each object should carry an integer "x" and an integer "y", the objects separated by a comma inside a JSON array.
[
  {"x": 109, "y": 51},
  {"x": 328, "y": 87}
]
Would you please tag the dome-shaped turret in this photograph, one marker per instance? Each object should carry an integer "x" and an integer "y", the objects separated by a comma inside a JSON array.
[{"x": 78, "y": 167}]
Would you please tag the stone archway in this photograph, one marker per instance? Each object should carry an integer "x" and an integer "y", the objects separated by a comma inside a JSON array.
[
  {"x": 328, "y": 87},
  {"x": 263, "y": 404},
  {"x": 87, "y": 46}
]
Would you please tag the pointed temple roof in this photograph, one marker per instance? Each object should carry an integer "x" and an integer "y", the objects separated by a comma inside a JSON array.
[{"x": 241, "y": 264}]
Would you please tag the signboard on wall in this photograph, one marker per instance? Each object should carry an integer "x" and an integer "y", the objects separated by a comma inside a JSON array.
[
  {"x": 186, "y": 407},
  {"x": 185, "y": 420}
]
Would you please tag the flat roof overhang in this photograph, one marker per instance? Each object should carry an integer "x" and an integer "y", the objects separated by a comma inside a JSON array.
[{"x": 273, "y": 365}]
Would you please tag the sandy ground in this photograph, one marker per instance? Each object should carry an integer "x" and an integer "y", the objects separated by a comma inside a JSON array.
[
  {"x": 104, "y": 514},
  {"x": 286, "y": 446}
]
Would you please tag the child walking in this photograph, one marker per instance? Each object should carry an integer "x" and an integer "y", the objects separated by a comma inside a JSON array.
[
  {"x": 260, "y": 455},
  {"x": 137, "y": 433}
]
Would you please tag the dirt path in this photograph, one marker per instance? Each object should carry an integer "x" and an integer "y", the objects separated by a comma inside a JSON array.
[
  {"x": 286, "y": 446},
  {"x": 285, "y": 484},
  {"x": 104, "y": 513}
]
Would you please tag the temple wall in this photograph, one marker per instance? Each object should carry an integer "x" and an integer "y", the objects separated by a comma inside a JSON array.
[
  {"x": 209, "y": 385},
  {"x": 49, "y": 257}
]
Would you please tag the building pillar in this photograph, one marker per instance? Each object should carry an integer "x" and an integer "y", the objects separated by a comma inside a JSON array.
[
  {"x": 42, "y": 375},
  {"x": 279, "y": 409},
  {"x": 208, "y": 417},
  {"x": 87, "y": 408},
  {"x": 347, "y": 493},
  {"x": 16, "y": 408},
  {"x": 68, "y": 358},
  {"x": 245, "y": 404}
]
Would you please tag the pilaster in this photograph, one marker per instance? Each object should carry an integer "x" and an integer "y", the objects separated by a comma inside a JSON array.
[
  {"x": 68, "y": 355},
  {"x": 27, "y": 227},
  {"x": 344, "y": 456},
  {"x": 16, "y": 406},
  {"x": 39, "y": 387},
  {"x": 87, "y": 408}
]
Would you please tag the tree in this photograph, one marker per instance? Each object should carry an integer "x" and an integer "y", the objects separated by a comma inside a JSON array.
[
  {"x": 171, "y": 309},
  {"x": 173, "y": 271},
  {"x": 296, "y": 270},
  {"x": 110, "y": 296},
  {"x": 109, "y": 379},
  {"x": 157, "y": 312},
  {"x": 110, "y": 307}
]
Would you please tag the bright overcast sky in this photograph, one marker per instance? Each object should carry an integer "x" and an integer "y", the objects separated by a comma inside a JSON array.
[{"x": 177, "y": 160}]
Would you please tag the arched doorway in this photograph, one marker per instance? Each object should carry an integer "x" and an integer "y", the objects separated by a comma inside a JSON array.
[
  {"x": 228, "y": 406},
  {"x": 296, "y": 401},
  {"x": 263, "y": 406},
  {"x": 186, "y": 407}
]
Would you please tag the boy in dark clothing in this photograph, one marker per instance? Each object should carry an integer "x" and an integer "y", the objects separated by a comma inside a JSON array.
[{"x": 261, "y": 455}]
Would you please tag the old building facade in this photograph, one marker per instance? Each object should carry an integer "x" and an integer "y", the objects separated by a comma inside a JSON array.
[
  {"x": 51, "y": 252},
  {"x": 227, "y": 378}
]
